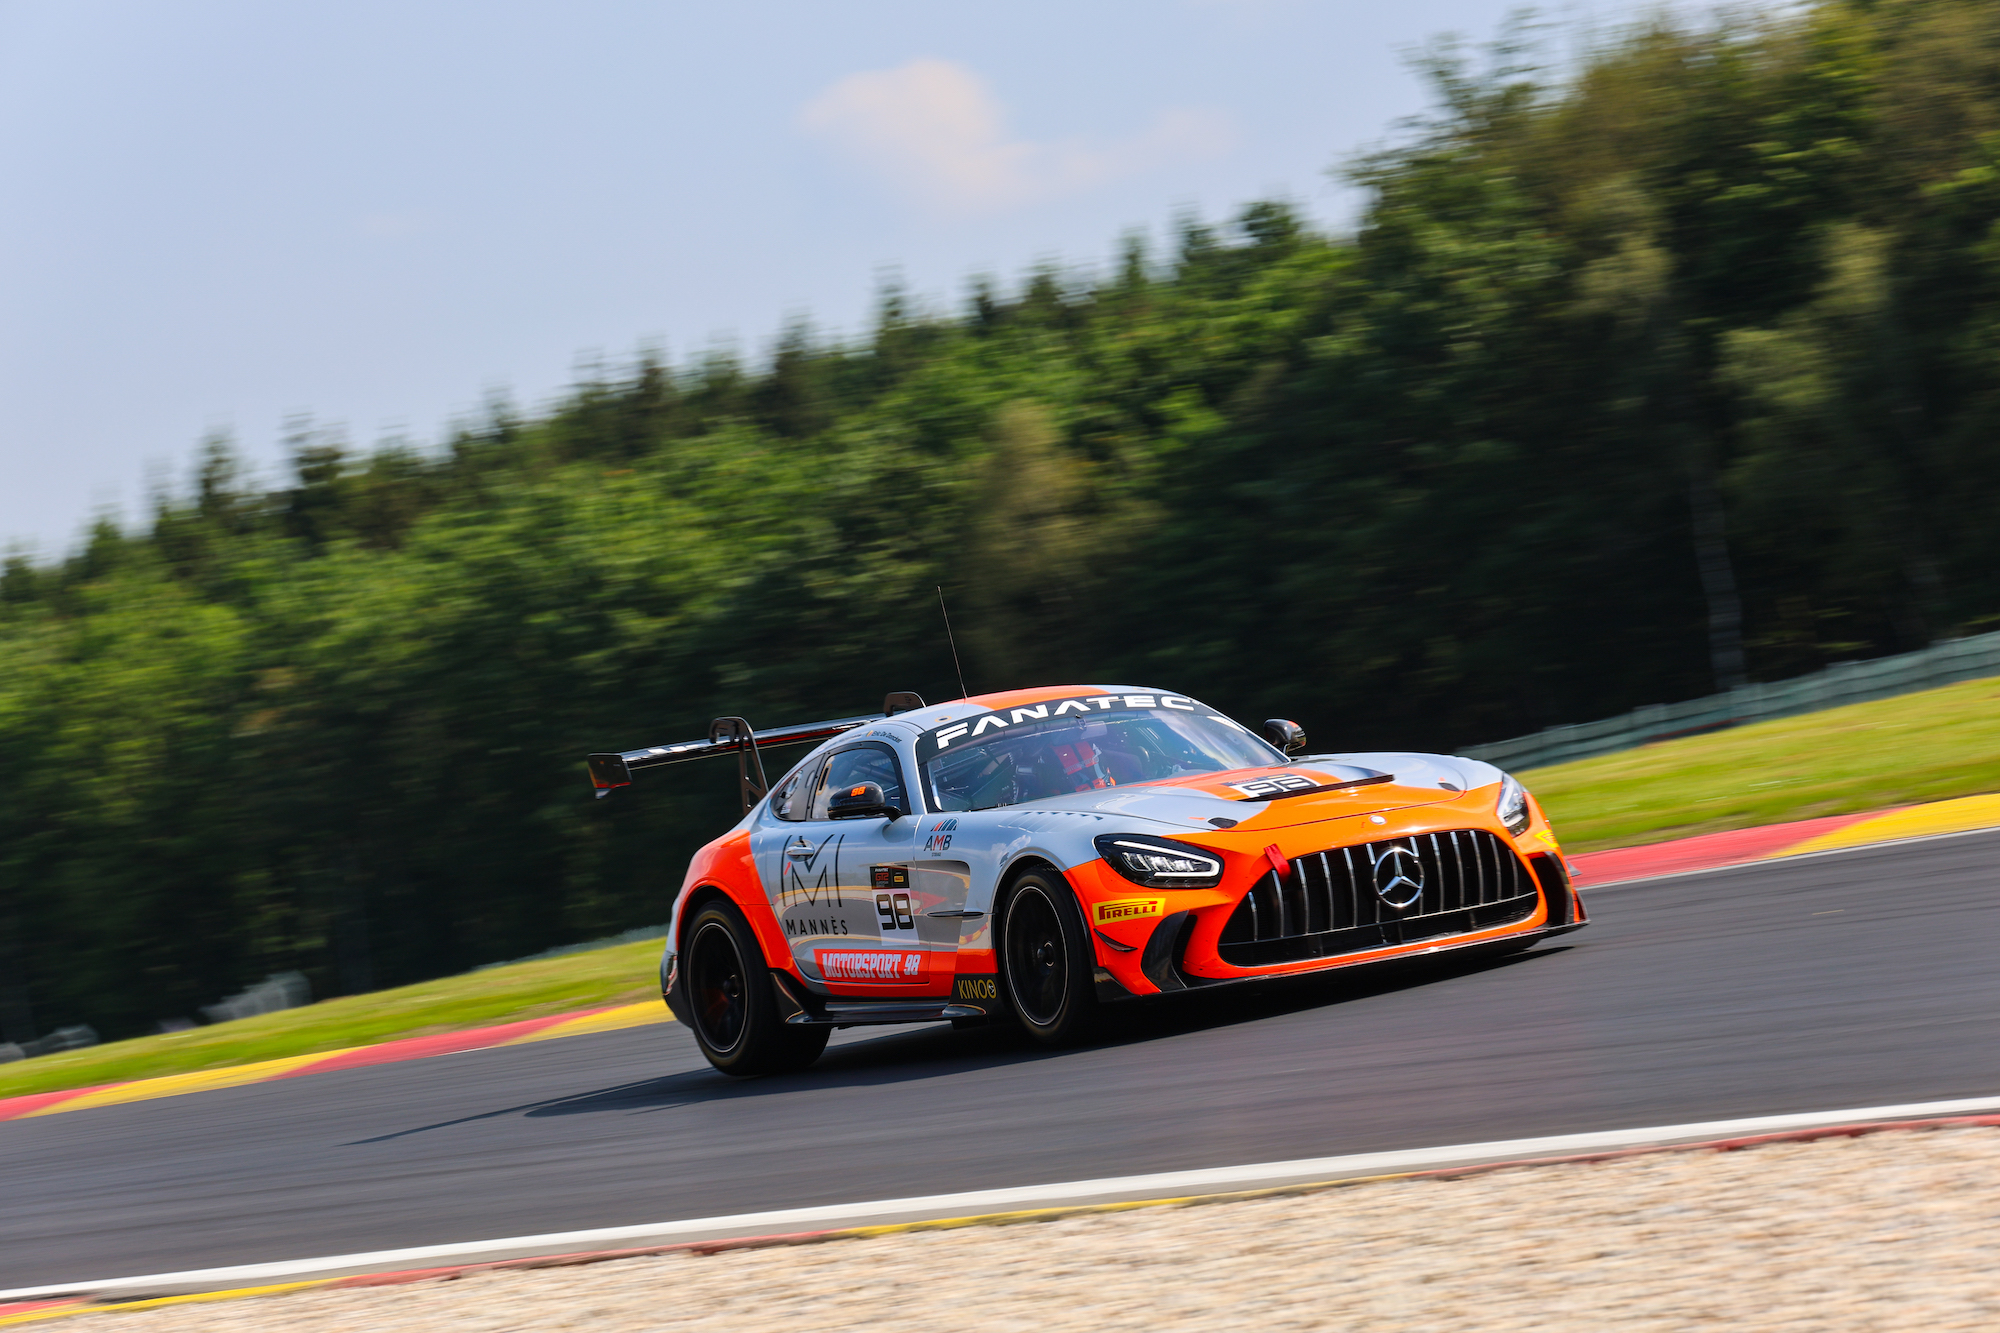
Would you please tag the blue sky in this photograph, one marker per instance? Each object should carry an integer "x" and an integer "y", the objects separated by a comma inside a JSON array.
[{"x": 221, "y": 214}]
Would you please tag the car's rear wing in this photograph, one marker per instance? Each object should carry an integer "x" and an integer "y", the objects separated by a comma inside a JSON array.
[{"x": 728, "y": 735}]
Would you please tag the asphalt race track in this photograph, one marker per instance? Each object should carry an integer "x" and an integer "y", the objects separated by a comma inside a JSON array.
[{"x": 1851, "y": 979}]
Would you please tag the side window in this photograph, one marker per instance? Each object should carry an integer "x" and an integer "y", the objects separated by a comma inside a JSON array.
[
  {"x": 794, "y": 794},
  {"x": 868, "y": 762}
]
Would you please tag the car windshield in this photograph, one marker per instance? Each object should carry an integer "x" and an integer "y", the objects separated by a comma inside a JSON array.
[{"x": 996, "y": 761}]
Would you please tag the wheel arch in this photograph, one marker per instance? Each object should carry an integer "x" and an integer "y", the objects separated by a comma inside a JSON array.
[
  {"x": 691, "y": 902},
  {"x": 1010, "y": 874},
  {"x": 755, "y": 910},
  {"x": 1027, "y": 861},
  {"x": 726, "y": 866}
]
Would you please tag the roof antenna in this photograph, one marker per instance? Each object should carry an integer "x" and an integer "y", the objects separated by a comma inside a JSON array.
[{"x": 963, "y": 693}]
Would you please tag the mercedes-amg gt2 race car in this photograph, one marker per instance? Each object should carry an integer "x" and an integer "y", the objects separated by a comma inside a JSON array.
[{"x": 1034, "y": 854}]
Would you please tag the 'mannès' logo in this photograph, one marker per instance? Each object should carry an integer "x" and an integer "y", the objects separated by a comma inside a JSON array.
[
  {"x": 1399, "y": 877},
  {"x": 1128, "y": 909}
]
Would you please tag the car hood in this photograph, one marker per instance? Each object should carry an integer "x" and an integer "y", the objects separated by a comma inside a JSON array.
[{"x": 1399, "y": 782}]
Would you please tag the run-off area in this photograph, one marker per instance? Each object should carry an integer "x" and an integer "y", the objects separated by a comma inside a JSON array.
[{"x": 1887, "y": 1232}]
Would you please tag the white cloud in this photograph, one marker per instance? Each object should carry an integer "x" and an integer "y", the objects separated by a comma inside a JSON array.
[{"x": 935, "y": 130}]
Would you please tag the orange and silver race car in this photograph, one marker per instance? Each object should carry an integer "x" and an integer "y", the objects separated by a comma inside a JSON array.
[{"x": 1035, "y": 854}]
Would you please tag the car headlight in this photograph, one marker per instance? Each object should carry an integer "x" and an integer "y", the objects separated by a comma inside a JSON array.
[
  {"x": 1513, "y": 806},
  {"x": 1158, "y": 863}
]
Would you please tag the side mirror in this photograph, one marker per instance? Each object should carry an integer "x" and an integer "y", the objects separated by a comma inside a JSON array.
[
  {"x": 864, "y": 800},
  {"x": 1287, "y": 736}
]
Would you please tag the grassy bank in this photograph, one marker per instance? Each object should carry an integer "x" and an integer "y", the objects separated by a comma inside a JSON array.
[
  {"x": 621, "y": 974},
  {"x": 1917, "y": 747}
]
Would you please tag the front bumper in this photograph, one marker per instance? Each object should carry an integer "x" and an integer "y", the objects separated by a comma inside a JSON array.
[{"x": 1477, "y": 884}]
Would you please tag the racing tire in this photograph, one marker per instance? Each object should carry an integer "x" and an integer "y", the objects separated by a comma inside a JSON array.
[
  {"x": 727, "y": 990},
  {"x": 1047, "y": 966}
]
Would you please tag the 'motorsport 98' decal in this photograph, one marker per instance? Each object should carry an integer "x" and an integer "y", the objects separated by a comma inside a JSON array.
[
  {"x": 901, "y": 967},
  {"x": 938, "y": 740}
]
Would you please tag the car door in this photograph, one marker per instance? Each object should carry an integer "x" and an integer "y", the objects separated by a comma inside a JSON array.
[
  {"x": 864, "y": 910},
  {"x": 795, "y": 861}
]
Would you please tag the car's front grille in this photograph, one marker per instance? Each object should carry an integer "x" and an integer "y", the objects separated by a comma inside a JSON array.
[{"x": 1350, "y": 899}]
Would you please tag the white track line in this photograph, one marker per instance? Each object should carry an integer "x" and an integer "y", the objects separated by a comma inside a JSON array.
[{"x": 1166, "y": 1184}]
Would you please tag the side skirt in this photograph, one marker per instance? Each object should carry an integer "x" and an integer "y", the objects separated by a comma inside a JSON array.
[{"x": 804, "y": 1010}]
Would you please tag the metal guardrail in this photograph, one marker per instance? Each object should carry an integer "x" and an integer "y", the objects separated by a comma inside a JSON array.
[
  {"x": 280, "y": 990},
  {"x": 1844, "y": 683},
  {"x": 62, "y": 1039}
]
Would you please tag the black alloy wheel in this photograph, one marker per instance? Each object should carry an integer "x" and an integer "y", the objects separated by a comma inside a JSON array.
[
  {"x": 717, "y": 988},
  {"x": 1046, "y": 959},
  {"x": 725, "y": 988}
]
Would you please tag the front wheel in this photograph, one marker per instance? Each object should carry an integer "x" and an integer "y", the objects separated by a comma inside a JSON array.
[
  {"x": 1046, "y": 960},
  {"x": 727, "y": 990}
]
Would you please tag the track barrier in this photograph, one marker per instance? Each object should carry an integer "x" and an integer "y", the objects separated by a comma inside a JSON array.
[{"x": 1844, "y": 683}]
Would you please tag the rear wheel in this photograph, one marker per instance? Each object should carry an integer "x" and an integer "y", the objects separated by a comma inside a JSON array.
[
  {"x": 727, "y": 991},
  {"x": 1046, "y": 961}
]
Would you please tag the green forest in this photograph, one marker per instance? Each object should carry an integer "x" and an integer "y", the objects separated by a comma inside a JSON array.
[{"x": 1675, "y": 366}]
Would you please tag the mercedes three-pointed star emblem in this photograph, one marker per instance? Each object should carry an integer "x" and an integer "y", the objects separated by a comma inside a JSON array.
[{"x": 1399, "y": 877}]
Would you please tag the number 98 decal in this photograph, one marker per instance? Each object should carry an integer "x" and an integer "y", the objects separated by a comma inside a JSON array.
[{"x": 894, "y": 909}]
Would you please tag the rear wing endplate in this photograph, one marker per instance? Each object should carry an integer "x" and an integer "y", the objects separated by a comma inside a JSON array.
[{"x": 734, "y": 735}]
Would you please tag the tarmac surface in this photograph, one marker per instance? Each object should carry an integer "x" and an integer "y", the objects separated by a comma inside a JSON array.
[{"x": 1847, "y": 979}]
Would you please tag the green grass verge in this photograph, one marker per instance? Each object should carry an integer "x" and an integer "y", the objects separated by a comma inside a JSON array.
[
  {"x": 1916, "y": 747},
  {"x": 622, "y": 974}
]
